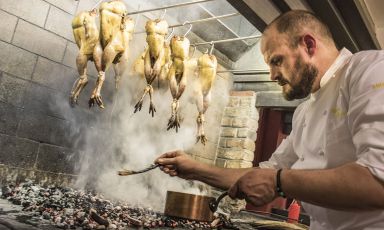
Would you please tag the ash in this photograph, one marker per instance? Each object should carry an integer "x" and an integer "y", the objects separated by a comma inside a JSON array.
[{"x": 67, "y": 208}]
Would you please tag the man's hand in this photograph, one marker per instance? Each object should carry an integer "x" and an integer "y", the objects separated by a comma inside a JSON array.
[
  {"x": 257, "y": 187},
  {"x": 178, "y": 163}
]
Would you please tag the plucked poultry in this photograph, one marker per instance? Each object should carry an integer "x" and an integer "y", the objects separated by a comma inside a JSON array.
[
  {"x": 154, "y": 58},
  {"x": 207, "y": 66},
  {"x": 86, "y": 36},
  {"x": 116, "y": 33},
  {"x": 161, "y": 82},
  {"x": 177, "y": 77}
]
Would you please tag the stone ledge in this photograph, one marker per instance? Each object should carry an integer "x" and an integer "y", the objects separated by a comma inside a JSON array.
[
  {"x": 15, "y": 174},
  {"x": 242, "y": 93}
]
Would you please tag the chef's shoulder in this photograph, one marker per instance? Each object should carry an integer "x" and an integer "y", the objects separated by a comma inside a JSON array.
[{"x": 364, "y": 71}]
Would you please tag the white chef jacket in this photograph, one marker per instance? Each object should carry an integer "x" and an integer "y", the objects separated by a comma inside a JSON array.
[{"x": 342, "y": 122}]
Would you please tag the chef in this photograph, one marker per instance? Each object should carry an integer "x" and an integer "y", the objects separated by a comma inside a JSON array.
[{"x": 333, "y": 160}]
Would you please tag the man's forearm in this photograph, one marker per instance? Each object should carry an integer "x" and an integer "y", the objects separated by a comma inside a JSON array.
[
  {"x": 222, "y": 178},
  {"x": 348, "y": 187}
]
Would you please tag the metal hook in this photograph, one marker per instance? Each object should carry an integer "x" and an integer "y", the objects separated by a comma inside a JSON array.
[
  {"x": 212, "y": 46},
  {"x": 162, "y": 16},
  {"x": 137, "y": 19},
  {"x": 94, "y": 7},
  {"x": 193, "y": 51},
  {"x": 170, "y": 35},
  {"x": 189, "y": 30}
]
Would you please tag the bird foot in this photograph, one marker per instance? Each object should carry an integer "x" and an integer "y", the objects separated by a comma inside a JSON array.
[
  {"x": 138, "y": 105},
  {"x": 96, "y": 99},
  {"x": 201, "y": 138},
  {"x": 73, "y": 100},
  {"x": 174, "y": 122},
  {"x": 152, "y": 109}
]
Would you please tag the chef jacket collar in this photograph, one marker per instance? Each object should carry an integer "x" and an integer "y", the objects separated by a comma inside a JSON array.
[{"x": 340, "y": 61}]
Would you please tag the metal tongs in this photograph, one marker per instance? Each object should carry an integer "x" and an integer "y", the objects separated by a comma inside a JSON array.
[
  {"x": 127, "y": 172},
  {"x": 215, "y": 203}
]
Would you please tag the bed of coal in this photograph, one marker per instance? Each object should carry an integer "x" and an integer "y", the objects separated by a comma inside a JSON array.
[{"x": 55, "y": 207}]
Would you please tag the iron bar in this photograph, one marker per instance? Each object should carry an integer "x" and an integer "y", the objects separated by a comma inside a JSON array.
[
  {"x": 245, "y": 71},
  {"x": 197, "y": 21},
  {"x": 225, "y": 40},
  {"x": 204, "y": 19},
  {"x": 170, "y": 6}
]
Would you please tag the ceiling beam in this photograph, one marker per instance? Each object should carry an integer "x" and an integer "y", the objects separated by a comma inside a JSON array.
[
  {"x": 248, "y": 13},
  {"x": 355, "y": 24},
  {"x": 328, "y": 13},
  {"x": 281, "y": 5}
]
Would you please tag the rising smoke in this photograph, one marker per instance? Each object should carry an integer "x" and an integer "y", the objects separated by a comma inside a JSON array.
[{"x": 116, "y": 138}]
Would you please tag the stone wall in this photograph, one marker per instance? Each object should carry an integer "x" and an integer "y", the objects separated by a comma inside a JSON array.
[
  {"x": 40, "y": 135},
  {"x": 36, "y": 68}
]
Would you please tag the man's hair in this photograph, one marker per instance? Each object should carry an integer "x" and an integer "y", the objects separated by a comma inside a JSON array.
[{"x": 293, "y": 22}]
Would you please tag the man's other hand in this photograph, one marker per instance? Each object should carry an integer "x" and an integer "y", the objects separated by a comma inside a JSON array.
[{"x": 257, "y": 187}]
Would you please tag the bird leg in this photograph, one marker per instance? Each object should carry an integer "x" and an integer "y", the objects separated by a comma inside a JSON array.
[
  {"x": 80, "y": 83},
  {"x": 96, "y": 96},
  {"x": 139, "y": 104},
  {"x": 152, "y": 108},
  {"x": 174, "y": 121},
  {"x": 200, "y": 127}
]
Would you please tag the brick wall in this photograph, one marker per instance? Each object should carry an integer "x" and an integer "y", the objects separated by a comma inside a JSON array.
[
  {"x": 238, "y": 131},
  {"x": 237, "y": 139}
]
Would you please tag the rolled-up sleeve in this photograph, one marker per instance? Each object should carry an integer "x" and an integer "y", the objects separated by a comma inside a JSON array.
[{"x": 366, "y": 114}]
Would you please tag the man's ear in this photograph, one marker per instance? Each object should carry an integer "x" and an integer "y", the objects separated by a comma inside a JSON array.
[{"x": 310, "y": 44}]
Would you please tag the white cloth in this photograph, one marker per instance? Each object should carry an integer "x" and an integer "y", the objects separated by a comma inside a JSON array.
[{"x": 342, "y": 122}]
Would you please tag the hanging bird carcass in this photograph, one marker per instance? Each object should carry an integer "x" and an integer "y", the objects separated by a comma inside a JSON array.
[
  {"x": 116, "y": 33},
  {"x": 86, "y": 36},
  {"x": 177, "y": 77},
  {"x": 207, "y": 67},
  {"x": 154, "y": 58}
]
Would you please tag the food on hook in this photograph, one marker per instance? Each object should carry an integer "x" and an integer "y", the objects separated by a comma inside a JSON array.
[
  {"x": 207, "y": 67},
  {"x": 154, "y": 59},
  {"x": 116, "y": 33},
  {"x": 177, "y": 77},
  {"x": 86, "y": 36}
]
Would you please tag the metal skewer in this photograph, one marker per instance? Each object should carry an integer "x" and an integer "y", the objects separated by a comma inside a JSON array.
[
  {"x": 226, "y": 40},
  {"x": 167, "y": 7},
  {"x": 205, "y": 19},
  {"x": 197, "y": 21},
  {"x": 245, "y": 71},
  {"x": 127, "y": 172}
]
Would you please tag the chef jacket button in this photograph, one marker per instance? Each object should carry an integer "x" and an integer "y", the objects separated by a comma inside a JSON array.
[
  {"x": 321, "y": 153},
  {"x": 302, "y": 158},
  {"x": 304, "y": 124}
]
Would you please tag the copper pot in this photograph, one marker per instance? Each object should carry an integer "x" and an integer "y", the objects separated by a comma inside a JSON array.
[{"x": 189, "y": 206}]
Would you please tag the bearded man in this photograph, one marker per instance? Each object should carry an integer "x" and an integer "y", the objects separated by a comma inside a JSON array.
[{"x": 333, "y": 160}]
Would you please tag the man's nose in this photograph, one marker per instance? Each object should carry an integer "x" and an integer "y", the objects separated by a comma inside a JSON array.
[{"x": 275, "y": 75}]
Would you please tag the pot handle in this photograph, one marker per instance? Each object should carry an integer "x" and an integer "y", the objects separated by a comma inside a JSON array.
[{"x": 215, "y": 203}]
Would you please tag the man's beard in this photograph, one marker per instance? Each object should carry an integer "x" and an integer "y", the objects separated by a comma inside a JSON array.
[{"x": 307, "y": 74}]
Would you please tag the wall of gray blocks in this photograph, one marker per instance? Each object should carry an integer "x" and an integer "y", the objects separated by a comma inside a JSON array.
[{"x": 37, "y": 71}]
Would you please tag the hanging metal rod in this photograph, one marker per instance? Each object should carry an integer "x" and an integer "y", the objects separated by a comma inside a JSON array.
[
  {"x": 225, "y": 40},
  {"x": 197, "y": 21},
  {"x": 205, "y": 19},
  {"x": 170, "y": 6},
  {"x": 245, "y": 71}
]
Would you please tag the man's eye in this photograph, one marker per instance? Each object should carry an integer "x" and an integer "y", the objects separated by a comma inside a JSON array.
[{"x": 276, "y": 61}]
